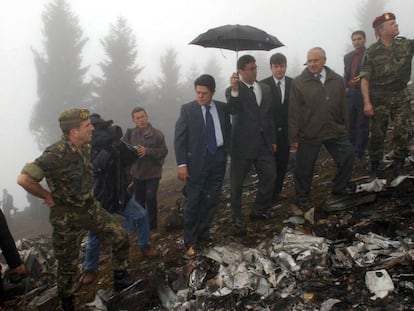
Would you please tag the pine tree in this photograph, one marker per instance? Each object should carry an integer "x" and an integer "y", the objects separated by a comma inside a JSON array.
[
  {"x": 213, "y": 68},
  {"x": 60, "y": 75},
  {"x": 169, "y": 96},
  {"x": 118, "y": 92},
  {"x": 367, "y": 13}
]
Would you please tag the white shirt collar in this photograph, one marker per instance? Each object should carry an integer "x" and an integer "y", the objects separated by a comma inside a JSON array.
[{"x": 282, "y": 81}]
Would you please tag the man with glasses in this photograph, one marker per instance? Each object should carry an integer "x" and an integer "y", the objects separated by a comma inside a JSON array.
[{"x": 253, "y": 138}]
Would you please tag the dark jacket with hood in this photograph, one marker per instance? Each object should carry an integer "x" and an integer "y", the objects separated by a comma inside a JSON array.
[{"x": 110, "y": 158}]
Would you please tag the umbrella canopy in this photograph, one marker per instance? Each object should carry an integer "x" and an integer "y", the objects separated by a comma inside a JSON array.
[{"x": 237, "y": 38}]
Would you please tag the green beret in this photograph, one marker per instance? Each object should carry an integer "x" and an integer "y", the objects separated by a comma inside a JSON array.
[{"x": 73, "y": 116}]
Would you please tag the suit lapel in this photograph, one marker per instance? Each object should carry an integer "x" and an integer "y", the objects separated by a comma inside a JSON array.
[
  {"x": 221, "y": 116},
  {"x": 197, "y": 114},
  {"x": 287, "y": 89},
  {"x": 243, "y": 88}
]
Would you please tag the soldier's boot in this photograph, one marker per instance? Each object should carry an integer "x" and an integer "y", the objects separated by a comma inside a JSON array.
[
  {"x": 67, "y": 304},
  {"x": 122, "y": 280},
  {"x": 374, "y": 169},
  {"x": 398, "y": 166}
]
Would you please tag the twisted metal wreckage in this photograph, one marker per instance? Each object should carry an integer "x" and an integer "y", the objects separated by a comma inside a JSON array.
[{"x": 341, "y": 263}]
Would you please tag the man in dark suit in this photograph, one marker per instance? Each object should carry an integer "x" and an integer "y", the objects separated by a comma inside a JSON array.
[
  {"x": 280, "y": 85},
  {"x": 253, "y": 138},
  {"x": 201, "y": 142},
  {"x": 358, "y": 121}
]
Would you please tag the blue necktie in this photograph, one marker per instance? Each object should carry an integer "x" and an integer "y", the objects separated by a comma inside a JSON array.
[{"x": 211, "y": 133}]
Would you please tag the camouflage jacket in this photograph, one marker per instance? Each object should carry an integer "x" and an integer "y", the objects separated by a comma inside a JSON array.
[
  {"x": 68, "y": 174},
  {"x": 388, "y": 68}
]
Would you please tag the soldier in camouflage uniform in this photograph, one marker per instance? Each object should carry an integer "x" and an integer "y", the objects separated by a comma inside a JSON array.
[
  {"x": 385, "y": 72},
  {"x": 66, "y": 165}
]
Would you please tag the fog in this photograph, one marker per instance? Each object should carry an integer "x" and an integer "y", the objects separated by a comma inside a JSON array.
[{"x": 158, "y": 25}]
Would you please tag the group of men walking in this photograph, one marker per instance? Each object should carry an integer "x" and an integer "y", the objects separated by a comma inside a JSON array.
[{"x": 269, "y": 119}]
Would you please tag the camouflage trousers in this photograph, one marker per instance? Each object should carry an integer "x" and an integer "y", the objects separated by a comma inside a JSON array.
[
  {"x": 395, "y": 107},
  {"x": 69, "y": 228}
]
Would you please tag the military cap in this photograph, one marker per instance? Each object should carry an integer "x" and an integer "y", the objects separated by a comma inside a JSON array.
[
  {"x": 382, "y": 18},
  {"x": 73, "y": 116}
]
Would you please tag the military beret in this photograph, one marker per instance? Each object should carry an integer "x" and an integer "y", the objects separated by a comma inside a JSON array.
[
  {"x": 73, "y": 115},
  {"x": 382, "y": 18}
]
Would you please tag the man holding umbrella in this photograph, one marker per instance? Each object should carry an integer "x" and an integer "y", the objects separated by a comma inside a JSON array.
[{"x": 253, "y": 138}]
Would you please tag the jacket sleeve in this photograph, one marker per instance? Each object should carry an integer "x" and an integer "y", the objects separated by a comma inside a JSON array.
[
  {"x": 160, "y": 151},
  {"x": 294, "y": 113},
  {"x": 101, "y": 161},
  {"x": 266, "y": 91},
  {"x": 127, "y": 137},
  {"x": 181, "y": 136},
  {"x": 232, "y": 102}
]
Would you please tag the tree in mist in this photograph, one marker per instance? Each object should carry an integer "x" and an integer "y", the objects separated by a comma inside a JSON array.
[
  {"x": 294, "y": 67},
  {"x": 213, "y": 68},
  {"x": 168, "y": 96},
  {"x": 366, "y": 14},
  {"x": 188, "y": 84},
  {"x": 60, "y": 75},
  {"x": 118, "y": 92}
]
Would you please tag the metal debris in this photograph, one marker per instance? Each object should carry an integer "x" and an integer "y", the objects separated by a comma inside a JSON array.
[{"x": 379, "y": 283}]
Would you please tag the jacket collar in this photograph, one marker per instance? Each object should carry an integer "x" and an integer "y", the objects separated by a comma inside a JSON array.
[{"x": 307, "y": 75}]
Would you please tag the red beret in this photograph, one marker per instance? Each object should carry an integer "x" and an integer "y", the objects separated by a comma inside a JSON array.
[{"x": 382, "y": 18}]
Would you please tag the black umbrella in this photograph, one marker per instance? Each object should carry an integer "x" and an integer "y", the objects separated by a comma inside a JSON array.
[{"x": 237, "y": 38}]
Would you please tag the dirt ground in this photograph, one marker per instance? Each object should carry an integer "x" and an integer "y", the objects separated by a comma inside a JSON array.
[{"x": 169, "y": 243}]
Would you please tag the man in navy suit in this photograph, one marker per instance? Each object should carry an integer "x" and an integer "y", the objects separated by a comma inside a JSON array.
[
  {"x": 201, "y": 142},
  {"x": 358, "y": 121},
  {"x": 253, "y": 138},
  {"x": 280, "y": 85}
]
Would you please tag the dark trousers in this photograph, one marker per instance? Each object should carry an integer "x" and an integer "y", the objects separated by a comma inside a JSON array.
[
  {"x": 341, "y": 151},
  {"x": 146, "y": 195},
  {"x": 9, "y": 250},
  {"x": 202, "y": 198},
  {"x": 281, "y": 159},
  {"x": 264, "y": 165},
  {"x": 358, "y": 122},
  {"x": 7, "y": 245}
]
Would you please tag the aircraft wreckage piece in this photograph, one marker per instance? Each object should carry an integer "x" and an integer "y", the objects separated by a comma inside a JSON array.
[
  {"x": 375, "y": 250},
  {"x": 402, "y": 186},
  {"x": 349, "y": 201},
  {"x": 375, "y": 185},
  {"x": 379, "y": 283},
  {"x": 109, "y": 300}
]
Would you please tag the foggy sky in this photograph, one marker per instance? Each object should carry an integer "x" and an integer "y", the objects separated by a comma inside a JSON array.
[{"x": 158, "y": 25}]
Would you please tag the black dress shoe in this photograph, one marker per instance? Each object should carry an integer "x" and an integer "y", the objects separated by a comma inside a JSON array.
[{"x": 344, "y": 191}]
